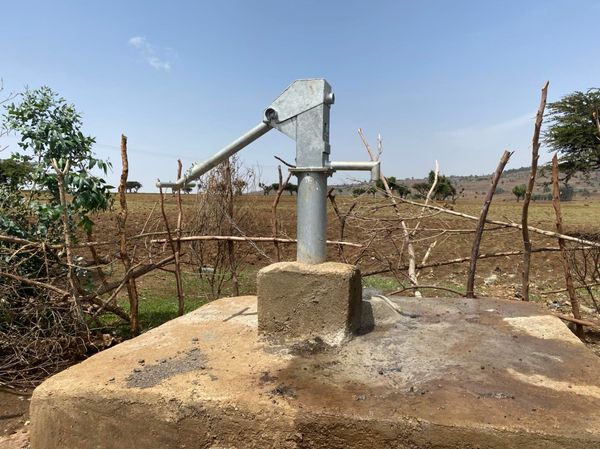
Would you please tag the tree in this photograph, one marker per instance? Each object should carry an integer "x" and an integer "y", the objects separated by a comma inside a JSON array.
[
  {"x": 265, "y": 188},
  {"x": 574, "y": 131},
  {"x": 17, "y": 173},
  {"x": 132, "y": 186},
  {"x": 566, "y": 192},
  {"x": 519, "y": 191},
  {"x": 422, "y": 188},
  {"x": 239, "y": 185},
  {"x": 443, "y": 188},
  {"x": 52, "y": 141},
  {"x": 401, "y": 189},
  {"x": 43, "y": 299},
  {"x": 357, "y": 191},
  {"x": 291, "y": 188}
]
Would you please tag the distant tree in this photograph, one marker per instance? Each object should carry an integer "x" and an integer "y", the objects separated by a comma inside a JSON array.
[
  {"x": 372, "y": 190},
  {"x": 421, "y": 188},
  {"x": 265, "y": 188},
  {"x": 291, "y": 188},
  {"x": 238, "y": 186},
  {"x": 519, "y": 191},
  {"x": 358, "y": 191},
  {"x": 132, "y": 186},
  {"x": 16, "y": 172},
  {"x": 392, "y": 183},
  {"x": 566, "y": 192},
  {"x": 402, "y": 190},
  {"x": 574, "y": 131},
  {"x": 444, "y": 188}
]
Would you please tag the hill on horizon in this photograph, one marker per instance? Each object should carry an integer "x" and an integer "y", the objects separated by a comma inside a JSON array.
[{"x": 476, "y": 186}]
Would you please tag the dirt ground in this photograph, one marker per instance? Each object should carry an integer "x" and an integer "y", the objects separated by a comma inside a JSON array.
[
  {"x": 496, "y": 277},
  {"x": 14, "y": 418}
]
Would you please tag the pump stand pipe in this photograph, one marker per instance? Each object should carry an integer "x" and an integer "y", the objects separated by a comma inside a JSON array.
[{"x": 312, "y": 206}]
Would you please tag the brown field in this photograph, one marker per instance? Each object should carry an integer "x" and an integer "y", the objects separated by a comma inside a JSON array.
[{"x": 580, "y": 218}]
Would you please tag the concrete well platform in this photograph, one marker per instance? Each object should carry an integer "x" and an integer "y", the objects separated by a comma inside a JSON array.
[{"x": 445, "y": 373}]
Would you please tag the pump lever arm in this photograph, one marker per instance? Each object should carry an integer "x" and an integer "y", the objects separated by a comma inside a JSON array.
[{"x": 199, "y": 169}]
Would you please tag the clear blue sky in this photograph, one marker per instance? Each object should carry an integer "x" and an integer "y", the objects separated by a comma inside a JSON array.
[{"x": 456, "y": 81}]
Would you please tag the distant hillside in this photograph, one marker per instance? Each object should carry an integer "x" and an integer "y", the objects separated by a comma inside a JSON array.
[{"x": 475, "y": 186}]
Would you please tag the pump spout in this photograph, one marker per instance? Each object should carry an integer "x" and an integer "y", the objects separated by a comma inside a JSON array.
[
  {"x": 226, "y": 152},
  {"x": 372, "y": 166}
]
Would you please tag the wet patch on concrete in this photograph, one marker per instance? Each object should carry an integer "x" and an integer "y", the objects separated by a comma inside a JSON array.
[{"x": 150, "y": 375}]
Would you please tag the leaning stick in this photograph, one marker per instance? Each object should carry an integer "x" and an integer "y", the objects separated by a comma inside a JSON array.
[
  {"x": 561, "y": 244},
  {"x": 535, "y": 146},
  {"x": 462, "y": 260},
  {"x": 481, "y": 223},
  {"x": 578, "y": 321},
  {"x": 505, "y": 224},
  {"x": 274, "y": 226},
  {"x": 235, "y": 238}
]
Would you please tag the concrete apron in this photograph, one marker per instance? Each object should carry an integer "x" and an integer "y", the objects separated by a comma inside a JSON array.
[{"x": 444, "y": 373}]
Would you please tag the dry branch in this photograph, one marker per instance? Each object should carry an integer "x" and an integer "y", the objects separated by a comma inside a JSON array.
[
  {"x": 535, "y": 146},
  {"x": 561, "y": 244},
  {"x": 235, "y": 238},
  {"x": 563, "y": 290},
  {"x": 132, "y": 274},
  {"x": 35, "y": 283},
  {"x": 124, "y": 255},
  {"x": 274, "y": 230},
  {"x": 433, "y": 287},
  {"x": 505, "y": 224},
  {"x": 462, "y": 260},
  {"x": 342, "y": 218},
  {"x": 230, "y": 246},
  {"x": 578, "y": 321},
  {"x": 481, "y": 223},
  {"x": 177, "y": 249},
  {"x": 71, "y": 276},
  {"x": 412, "y": 274}
]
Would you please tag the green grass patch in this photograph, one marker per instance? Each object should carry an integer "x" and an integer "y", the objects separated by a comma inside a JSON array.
[
  {"x": 383, "y": 283},
  {"x": 158, "y": 304}
]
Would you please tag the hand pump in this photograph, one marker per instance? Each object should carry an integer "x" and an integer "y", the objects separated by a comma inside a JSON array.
[{"x": 302, "y": 113}]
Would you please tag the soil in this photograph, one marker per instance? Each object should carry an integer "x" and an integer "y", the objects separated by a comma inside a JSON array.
[{"x": 14, "y": 418}]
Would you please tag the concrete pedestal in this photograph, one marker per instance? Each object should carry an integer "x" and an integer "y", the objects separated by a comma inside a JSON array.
[
  {"x": 445, "y": 373},
  {"x": 298, "y": 301}
]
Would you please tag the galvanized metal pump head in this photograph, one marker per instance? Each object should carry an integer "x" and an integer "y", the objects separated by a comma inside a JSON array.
[{"x": 301, "y": 112}]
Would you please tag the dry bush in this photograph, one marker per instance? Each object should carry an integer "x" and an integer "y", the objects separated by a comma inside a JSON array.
[{"x": 218, "y": 214}]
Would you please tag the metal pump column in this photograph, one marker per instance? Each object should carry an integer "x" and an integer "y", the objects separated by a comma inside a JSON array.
[{"x": 302, "y": 113}]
